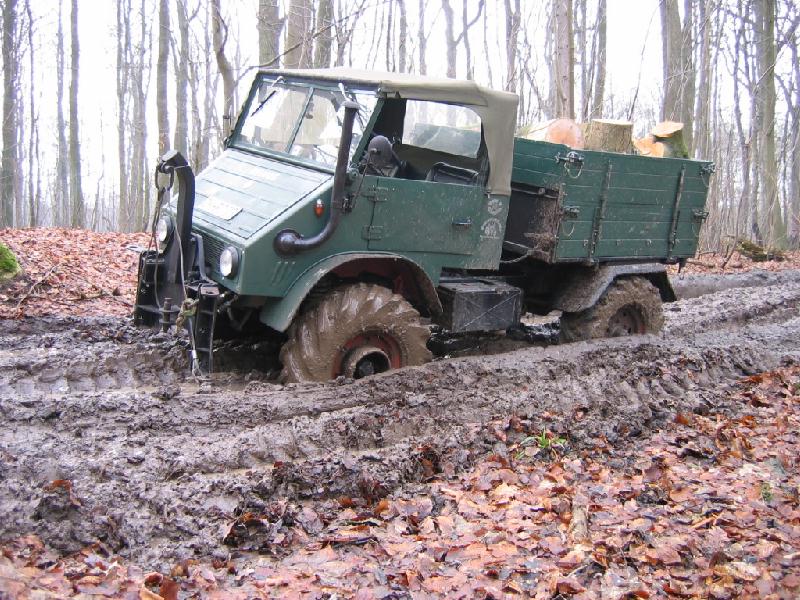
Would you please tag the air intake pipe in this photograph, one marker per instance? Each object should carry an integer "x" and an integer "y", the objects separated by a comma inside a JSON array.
[
  {"x": 288, "y": 241},
  {"x": 174, "y": 164}
]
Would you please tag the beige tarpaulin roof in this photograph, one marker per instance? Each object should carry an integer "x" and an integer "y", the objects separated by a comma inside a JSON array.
[{"x": 498, "y": 110}]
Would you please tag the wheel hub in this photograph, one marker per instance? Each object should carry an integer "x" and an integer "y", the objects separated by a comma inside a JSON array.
[
  {"x": 626, "y": 321},
  {"x": 365, "y": 361}
]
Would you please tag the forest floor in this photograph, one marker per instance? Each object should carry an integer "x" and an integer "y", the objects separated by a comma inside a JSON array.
[{"x": 652, "y": 466}]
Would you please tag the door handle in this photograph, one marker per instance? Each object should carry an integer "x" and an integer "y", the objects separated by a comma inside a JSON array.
[{"x": 463, "y": 224}]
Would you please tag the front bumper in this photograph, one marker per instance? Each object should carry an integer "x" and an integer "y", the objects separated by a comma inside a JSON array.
[{"x": 192, "y": 303}]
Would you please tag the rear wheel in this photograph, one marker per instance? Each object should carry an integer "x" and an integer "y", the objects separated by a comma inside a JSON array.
[
  {"x": 628, "y": 307},
  {"x": 355, "y": 331}
]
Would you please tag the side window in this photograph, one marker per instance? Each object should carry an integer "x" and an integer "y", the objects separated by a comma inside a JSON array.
[{"x": 442, "y": 127}]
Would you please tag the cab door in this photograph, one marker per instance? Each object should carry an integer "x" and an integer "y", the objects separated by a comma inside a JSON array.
[
  {"x": 423, "y": 216},
  {"x": 437, "y": 206}
]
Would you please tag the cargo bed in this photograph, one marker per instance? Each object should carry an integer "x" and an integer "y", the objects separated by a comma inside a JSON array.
[{"x": 588, "y": 206}]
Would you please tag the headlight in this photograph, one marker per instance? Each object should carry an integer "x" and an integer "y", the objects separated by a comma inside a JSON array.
[
  {"x": 163, "y": 231},
  {"x": 229, "y": 261}
]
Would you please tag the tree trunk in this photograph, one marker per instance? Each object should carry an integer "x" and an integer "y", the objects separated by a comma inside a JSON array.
[
  {"x": 703, "y": 96},
  {"x": 677, "y": 66},
  {"x": 78, "y": 213},
  {"x": 563, "y": 76},
  {"x": 269, "y": 33},
  {"x": 770, "y": 207},
  {"x": 580, "y": 31},
  {"x": 512, "y": 18},
  {"x": 182, "y": 61},
  {"x": 599, "y": 62},
  {"x": 123, "y": 35},
  {"x": 449, "y": 37},
  {"x": 794, "y": 165},
  {"x": 466, "y": 25},
  {"x": 9, "y": 165},
  {"x": 61, "y": 204},
  {"x": 422, "y": 38},
  {"x": 162, "y": 109},
  {"x": 220, "y": 34},
  {"x": 34, "y": 162},
  {"x": 324, "y": 39},
  {"x": 298, "y": 42},
  {"x": 402, "y": 48}
]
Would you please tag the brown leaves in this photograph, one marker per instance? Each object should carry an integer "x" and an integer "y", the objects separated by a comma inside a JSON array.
[
  {"x": 647, "y": 519},
  {"x": 71, "y": 272}
]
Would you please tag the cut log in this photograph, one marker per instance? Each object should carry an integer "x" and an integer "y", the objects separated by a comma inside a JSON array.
[
  {"x": 557, "y": 131},
  {"x": 648, "y": 146},
  {"x": 608, "y": 135},
  {"x": 670, "y": 134}
]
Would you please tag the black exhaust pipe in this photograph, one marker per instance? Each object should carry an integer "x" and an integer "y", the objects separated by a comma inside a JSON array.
[
  {"x": 178, "y": 260},
  {"x": 288, "y": 241}
]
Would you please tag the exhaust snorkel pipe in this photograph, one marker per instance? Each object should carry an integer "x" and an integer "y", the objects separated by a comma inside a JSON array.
[
  {"x": 178, "y": 261},
  {"x": 288, "y": 241}
]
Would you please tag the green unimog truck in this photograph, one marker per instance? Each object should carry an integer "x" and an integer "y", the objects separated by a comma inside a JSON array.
[{"x": 350, "y": 211}]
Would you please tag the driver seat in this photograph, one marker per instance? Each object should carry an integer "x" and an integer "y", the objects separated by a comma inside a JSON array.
[{"x": 381, "y": 159}]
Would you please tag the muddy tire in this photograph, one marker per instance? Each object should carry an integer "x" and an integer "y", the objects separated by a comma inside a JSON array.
[
  {"x": 356, "y": 330},
  {"x": 628, "y": 307}
]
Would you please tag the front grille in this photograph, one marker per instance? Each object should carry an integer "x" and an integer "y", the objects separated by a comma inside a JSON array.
[{"x": 212, "y": 248}]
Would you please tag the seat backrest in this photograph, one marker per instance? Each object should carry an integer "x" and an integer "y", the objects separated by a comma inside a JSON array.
[{"x": 442, "y": 172}]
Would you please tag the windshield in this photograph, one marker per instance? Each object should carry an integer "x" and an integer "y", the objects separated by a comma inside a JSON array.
[{"x": 301, "y": 121}]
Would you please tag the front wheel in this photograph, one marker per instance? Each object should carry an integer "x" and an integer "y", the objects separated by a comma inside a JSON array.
[
  {"x": 628, "y": 307},
  {"x": 355, "y": 331}
]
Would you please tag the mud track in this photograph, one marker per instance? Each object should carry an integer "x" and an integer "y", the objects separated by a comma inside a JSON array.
[{"x": 158, "y": 463}]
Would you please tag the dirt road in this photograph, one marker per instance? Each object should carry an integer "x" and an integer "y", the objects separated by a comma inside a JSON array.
[{"x": 105, "y": 437}]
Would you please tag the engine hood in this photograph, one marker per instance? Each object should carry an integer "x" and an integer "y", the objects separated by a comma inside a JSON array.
[{"x": 240, "y": 193}]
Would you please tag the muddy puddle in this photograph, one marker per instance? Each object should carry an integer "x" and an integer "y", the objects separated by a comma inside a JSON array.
[{"x": 106, "y": 436}]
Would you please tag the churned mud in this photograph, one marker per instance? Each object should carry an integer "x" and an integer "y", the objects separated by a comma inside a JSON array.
[{"x": 107, "y": 436}]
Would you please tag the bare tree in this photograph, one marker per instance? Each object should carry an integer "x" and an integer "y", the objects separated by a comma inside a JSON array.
[
  {"x": 182, "y": 62},
  {"x": 162, "y": 108},
  {"x": 702, "y": 134},
  {"x": 123, "y": 35},
  {"x": 402, "y": 50},
  {"x": 78, "y": 210},
  {"x": 678, "y": 66},
  {"x": 599, "y": 69},
  {"x": 562, "y": 75},
  {"x": 512, "y": 23},
  {"x": 270, "y": 25},
  {"x": 220, "y": 35},
  {"x": 324, "y": 39},
  {"x": 9, "y": 177},
  {"x": 772, "y": 224},
  {"x": 34, "y": 164},
  {"x": 422, "y": 38},
  {"x": 298, "y": 38}
]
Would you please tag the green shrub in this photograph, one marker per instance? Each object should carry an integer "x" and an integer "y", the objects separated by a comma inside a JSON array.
[{"x": 9, "y": 267}]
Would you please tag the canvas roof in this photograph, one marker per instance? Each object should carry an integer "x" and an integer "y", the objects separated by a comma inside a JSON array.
[{"x": 498, "y": 110}]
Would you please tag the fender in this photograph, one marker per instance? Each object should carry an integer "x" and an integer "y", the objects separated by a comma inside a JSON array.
[
  {"x": 278, "y": 313},
  {"x": 583, "y": 287}
]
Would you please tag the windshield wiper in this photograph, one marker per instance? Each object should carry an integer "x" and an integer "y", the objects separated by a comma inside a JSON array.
[{"x": 270, "y": 94}]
